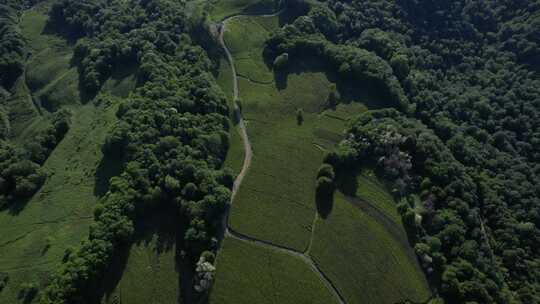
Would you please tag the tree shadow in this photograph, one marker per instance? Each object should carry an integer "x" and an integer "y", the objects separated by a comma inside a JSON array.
[
  {"x": 325, "y": 204},
  {"x": 351, "y": 90},
  {"x": 260, "y": 8},
  {"x": 347, "y": 182},
  {"x": 15, "y": 207},
  {"x": 55, "y": 27},
  {"x": 157, "y": 232},
  {"x": 108, "y": 167}
]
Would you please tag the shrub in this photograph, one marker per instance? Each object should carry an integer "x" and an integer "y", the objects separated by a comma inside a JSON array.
[{"x": 281, "y": 61}]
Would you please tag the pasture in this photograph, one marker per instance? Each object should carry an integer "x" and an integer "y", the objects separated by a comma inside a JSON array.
[
  {"x": 267, "y": 277},
  {"x": 366, "y": 262},
  {"x": 369, "y": 261}
]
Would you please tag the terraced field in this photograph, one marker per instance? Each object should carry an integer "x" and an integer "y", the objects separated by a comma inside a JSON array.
[
  {"x": 267, "y": 276},
  {"x": 367, "y": 262},
  {"x": 274, "y": 208}
]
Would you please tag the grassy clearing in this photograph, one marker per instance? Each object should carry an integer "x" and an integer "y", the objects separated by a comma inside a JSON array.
[
  {"x": 235, "y": 155},
  {"x": 223, "y": 9},
  {"x": 363, "y": 260},
  {"x": 50, "y": 76},
  {"x": 371, "y": 189},
  {"x": 267, "y": 277},
  {"x": 149, "y": 273}
]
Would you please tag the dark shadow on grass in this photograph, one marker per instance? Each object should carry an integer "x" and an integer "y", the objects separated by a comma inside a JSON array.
[
  {"x": 159, "y": 224},
  {"x": 119, "y": 74},
  {"x": 113, "y": 275},
  {"x": 109, "y": 167},
  {"x": 16, "y": 206},
  {"x": 55, "y": 27},
  {"x": 350, "y": 90},
  {"x": 325, "y": 204},
  {"x": 259, "y": 8},
  {"x": 348, "y": 183}
]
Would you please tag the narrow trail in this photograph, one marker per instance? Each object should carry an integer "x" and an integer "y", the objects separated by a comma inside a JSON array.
[{"x": 227, "y": 230}]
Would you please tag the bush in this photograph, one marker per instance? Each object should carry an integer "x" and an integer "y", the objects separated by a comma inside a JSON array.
[
  {"x": 326, "y": 170},
  {"x": 299, "y": 117},
  {"x": 281, "y": 61}
]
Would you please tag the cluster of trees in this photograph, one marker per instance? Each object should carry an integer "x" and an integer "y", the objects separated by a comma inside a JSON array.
[
  {"x": 12, "y": 46},
  {"x": 469, "y": 70},
  {"x": 126, "y": 38},
  {"x": 20, "y": 177},
  {"x": 172, "y": 135},
  {"x": 307, "y": 36},
  {"x": 439, "y": 202},
  {"x": 20, "y": 167},
  {"x": 43, "y": 143}
]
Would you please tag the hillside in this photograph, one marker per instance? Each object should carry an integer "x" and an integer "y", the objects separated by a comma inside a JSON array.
[{"x": 269, "y": 151}]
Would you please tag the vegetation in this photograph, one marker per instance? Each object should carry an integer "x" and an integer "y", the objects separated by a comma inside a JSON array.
[
  {"x": 110, "y": 106},
  {"x": 12, "y": 46},
  {"x": 450, "y": 241},
  {"x": 267, "y": 276},
  {"x": 468, "y": 72},
  {"x": 171, "y": 134},
  {"x": 265, "y": 107},
  {"x": 366, "y": 262},
  {"x": 220, "y": 10}
]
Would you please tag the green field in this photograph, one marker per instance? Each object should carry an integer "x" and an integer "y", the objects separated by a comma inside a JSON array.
[
  {"x": 149, "y": 273},
  {"x": 267, "y": 276},
  {"x": 223, "y": 9},
  {"x": 367, "y": 258},
  {"x": 371, "y": 189},
  {"x": 275, "y": 202},
  {"x": 50, "y": 76},
  {"x": 367, "y": 264},
  {"x": 235, "y": 155}
]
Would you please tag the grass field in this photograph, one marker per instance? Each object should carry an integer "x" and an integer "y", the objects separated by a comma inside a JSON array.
[
  {"x": 267, "y": 277},
  {"x": 276, "y": 200},
  {"x": 50, "y": 76},
  {"x": 223, "y": 9},
  {"x": 363, "y": 260},
  {"x": 235, "y": 155},
  {"x": 149, "y": 273},
  {"x": 371, "y": 189}
]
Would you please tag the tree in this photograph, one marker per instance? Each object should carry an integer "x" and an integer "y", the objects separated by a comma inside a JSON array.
[
  {"x": 299, "y": 116},
  {"x": 333, "y": 97},
  {"x": 326, "y": 170},
  {"x": 324, "y": 195},
  {"x": 281, "y": 61}
]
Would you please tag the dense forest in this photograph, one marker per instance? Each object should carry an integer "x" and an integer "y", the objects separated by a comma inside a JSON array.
[{"x": 464, "y": 154}]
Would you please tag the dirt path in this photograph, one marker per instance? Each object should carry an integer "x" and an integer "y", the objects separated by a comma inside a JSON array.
[{"x": 227, "y": 231}]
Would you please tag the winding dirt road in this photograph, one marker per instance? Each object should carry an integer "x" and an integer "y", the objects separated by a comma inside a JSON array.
[{"x": 227, "y": 230}]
